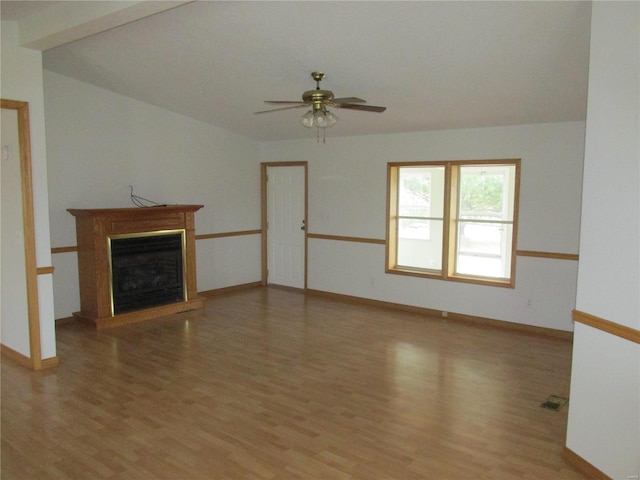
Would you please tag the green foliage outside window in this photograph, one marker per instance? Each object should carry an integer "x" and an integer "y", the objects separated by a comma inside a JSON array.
[
  {"x": 481, "y": 193},
  {"x": 419, "y": 187}
]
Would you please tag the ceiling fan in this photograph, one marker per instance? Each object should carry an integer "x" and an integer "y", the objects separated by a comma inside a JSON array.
[{"x": 318, "y": 99}]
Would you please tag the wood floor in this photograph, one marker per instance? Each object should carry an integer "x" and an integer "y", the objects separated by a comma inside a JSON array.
[{"x": 273, "y": 384}]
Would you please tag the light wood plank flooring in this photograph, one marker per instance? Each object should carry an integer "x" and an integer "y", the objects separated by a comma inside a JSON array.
[{"x": 273, "y": 384}]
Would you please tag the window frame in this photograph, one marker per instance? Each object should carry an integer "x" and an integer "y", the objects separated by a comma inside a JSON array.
[{"x": 450, "y": 223}]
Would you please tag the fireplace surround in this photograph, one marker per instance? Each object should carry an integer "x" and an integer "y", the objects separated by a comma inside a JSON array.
[{"x": 136, "y": 263}]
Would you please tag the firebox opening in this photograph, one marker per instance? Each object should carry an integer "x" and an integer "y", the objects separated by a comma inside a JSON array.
[{"x": 147, "y": 270}]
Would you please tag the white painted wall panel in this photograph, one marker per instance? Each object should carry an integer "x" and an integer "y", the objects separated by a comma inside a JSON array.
[
  {"x": 357, "y": 269},
  {"x": 14, "y": 318},
  {"x": 46, "y": 310},
  {"x": 21, "y": 72},
  {"x": 347, "y": 196},
  {"x": 66, "y": 284},
  {"x": 347, "y": 176},
  {"x": 99, "y": 143},
  {"x": 609, "y": 281},
  {"x": 604, "y": 411},
  {"x": 228, "y": 261}
]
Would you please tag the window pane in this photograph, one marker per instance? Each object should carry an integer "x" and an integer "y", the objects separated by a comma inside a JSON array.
[
  {"x": 484, "y": 249},
  {"x": 486, "y": 192},
  {"x": 420, "y": 191},
  {"x": 420, "y": 244},
  {"x": 411, "y": 228}
]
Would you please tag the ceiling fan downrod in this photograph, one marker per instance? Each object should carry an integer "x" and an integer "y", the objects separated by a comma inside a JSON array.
[{"x": 317, "y": 76}]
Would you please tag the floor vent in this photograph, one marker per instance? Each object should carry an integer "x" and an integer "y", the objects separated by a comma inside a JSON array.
[{"x": 553, "y": 402}]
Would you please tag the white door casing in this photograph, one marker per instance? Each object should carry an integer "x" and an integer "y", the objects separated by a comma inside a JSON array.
[{"x": 20, "y": 335}]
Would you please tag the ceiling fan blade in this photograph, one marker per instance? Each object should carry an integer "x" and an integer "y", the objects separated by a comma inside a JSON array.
[
  {"x": 348, "y": 100},
  {"x": 300, "y": 105},
  {"x": 364, "y": 108},
  {"x": 277, "y": 102}
]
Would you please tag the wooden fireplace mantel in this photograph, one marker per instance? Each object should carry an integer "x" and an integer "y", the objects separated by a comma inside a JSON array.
[{"x": 95, "y": 226}]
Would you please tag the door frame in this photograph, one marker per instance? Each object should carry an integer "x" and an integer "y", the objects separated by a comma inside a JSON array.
[
  {"x": 263, "y": 224},
  {"x": 28, "y": 226}
]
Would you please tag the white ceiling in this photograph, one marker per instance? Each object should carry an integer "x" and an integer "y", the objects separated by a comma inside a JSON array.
[{"x": 434, "y": 65}]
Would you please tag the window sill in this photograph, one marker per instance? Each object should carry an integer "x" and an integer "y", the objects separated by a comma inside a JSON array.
[{"x": 486, "y": 281}]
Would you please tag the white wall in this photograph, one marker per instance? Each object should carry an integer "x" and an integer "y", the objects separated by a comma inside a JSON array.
[
  {"x": 21, "y": 71},
  {"x": 347, "y": 197},
  {"x": 604, "y": 412},
  {"x": 99, "y": 143},
  {"x": 15, "y": 313}
]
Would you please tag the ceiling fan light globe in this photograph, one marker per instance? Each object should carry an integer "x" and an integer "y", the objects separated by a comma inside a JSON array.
[
  {"x": 331, "y": 119},
  {"x": 307, "y": 119},
  {"x": 319, "y": 120}
]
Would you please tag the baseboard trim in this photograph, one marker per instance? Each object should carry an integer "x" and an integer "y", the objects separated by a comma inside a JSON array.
[
  {"x": 584, "y": 467},
  {"x": 233, "y": 288},
  {"x": 206, "y": 293},
  {"x": 26, "y": 361},
  {"x": 50, "y": 362},
  {"x": 16, "y": 356},
  {"x": 460, "y": 317},
  {"x": 64, "y": 321}
]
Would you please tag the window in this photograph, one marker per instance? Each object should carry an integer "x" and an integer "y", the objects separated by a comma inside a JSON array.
[{"x": 454, "y": 220}]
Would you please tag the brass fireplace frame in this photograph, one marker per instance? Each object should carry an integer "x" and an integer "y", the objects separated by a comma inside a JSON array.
[{"x": 157, "y": 233}]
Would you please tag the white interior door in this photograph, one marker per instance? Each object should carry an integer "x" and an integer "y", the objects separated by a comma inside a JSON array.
[{"x": 286, "y": 226}]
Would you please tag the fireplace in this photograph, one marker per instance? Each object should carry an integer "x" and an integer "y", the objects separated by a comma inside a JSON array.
[
  {"x": 146, "y": 270},
  {"x": 136, "y": 263}
]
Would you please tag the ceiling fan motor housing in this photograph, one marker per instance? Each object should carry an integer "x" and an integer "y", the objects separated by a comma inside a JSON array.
[{"x": 317, "y": 98}]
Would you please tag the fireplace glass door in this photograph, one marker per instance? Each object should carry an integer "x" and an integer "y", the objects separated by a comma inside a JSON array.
[{"x": 147, "y": 270}]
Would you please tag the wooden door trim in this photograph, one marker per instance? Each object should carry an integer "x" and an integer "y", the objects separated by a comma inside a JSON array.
[
  {"x": 28, "y": 222},
  {"x": 263, "y": 215}
]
